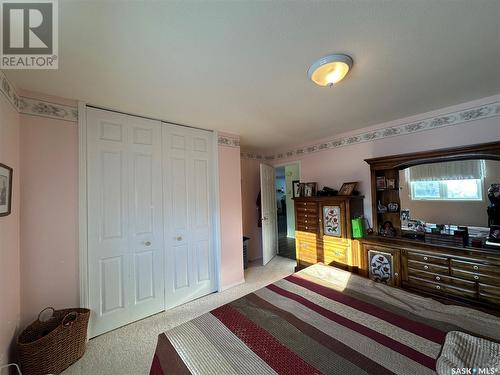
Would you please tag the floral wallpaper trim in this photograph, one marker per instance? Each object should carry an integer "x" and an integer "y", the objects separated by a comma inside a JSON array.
[
  {"x": 225, "y": 140},
  {"x": 36, "y": 107},
  {"x": 9, "y": 91},
  {"x": 42, "y": 108},
  {"x": 449, "y": 119}
]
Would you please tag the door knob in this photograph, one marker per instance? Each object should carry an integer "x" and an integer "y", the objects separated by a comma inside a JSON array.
[
  {"x": 178, "y": 238},
  {"x": 147, "y": 243},
  {"x": 264, "y": 218}
]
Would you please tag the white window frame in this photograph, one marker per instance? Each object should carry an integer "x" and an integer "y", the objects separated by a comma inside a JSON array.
[{"x": 443, "y": 192}]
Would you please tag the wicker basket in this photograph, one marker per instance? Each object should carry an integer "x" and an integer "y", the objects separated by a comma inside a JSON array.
[{"x": 51, "y": 346}]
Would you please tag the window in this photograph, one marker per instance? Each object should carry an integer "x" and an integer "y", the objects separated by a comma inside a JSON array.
[{"x": 447, "y": 190}]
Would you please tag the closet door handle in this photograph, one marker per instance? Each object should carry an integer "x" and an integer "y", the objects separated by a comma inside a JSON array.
[
  {"x": 178, "y": 238},
  {"x": 147, "y": 243}
]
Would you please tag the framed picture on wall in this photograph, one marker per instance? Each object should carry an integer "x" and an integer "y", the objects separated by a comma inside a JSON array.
[
  {"x": 295, "y": 188},
  {"x": 5, "y": 190}
]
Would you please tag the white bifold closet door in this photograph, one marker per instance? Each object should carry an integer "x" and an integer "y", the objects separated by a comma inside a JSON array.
[
  {"x": 125, "y": 220},
  {"x": 150, "y": 217},
  {"x": 188, "y": 205}
]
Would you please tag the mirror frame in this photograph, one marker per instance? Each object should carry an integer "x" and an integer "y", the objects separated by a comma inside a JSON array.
[{"x": 486, "y": 151}]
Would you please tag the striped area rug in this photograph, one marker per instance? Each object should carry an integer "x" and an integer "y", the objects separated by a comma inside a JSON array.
[{"x": 318, "y": 321}]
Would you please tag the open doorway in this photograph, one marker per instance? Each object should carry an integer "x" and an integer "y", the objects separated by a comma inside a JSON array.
[{"x": 285, "y": 175}]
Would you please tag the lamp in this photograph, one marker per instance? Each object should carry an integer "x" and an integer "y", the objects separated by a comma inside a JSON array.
[{"x": 330, "y": 69}]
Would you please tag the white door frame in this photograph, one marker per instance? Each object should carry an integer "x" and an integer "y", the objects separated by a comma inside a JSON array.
[
  {"x": 82, "y": 203},
  {"x": 300, "y": 175}
]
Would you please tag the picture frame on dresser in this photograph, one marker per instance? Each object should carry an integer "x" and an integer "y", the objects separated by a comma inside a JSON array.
[
  {"x": 310, "y": 189},
  {"x": 5, "y": 189},
  {"x": 295, "y": 188},
  {"x": 348, "y": 188}
]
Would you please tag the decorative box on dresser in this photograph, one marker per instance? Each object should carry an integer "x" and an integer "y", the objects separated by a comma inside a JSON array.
[
  {"x": 445, "y": 271},
  {"x": 323, "y": 231}
]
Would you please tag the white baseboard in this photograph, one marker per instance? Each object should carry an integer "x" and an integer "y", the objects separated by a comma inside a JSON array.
[{"x": 225, "y": 287}]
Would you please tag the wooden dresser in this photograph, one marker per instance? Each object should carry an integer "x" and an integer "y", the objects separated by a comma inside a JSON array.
[
  {"x": 323, "y": 230},
  {"x": 460, "y": 273},
  {"x": 464, "y": 274}
]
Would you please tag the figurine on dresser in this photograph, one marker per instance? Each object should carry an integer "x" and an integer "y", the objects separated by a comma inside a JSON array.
[{"x": 494, "y": 206}]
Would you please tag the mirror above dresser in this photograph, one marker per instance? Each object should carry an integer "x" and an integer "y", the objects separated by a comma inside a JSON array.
[{"x": 436, "y": 221}]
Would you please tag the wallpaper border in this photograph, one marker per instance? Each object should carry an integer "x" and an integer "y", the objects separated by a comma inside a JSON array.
[
  {"x": 435, "y": 122},
  {"x": 228, "y": 140},
  {"x": 36, "y": 107}
]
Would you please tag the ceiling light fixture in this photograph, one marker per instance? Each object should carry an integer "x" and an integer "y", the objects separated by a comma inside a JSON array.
[{"x": 330, "y": 69}]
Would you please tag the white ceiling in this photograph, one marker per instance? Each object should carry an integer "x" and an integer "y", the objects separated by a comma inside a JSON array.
[{"x": 241, "y": 67}]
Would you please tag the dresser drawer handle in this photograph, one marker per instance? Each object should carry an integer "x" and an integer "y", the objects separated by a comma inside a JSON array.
[
  {"x": 306, "y": 215},
  {"x": 306, "y": 221},
  {"x": 438, "y": 278},
  {"x": 438, "y": 287},
  {"x": 476, "y": 267},
  {"x": 305, "y": 204},
  {"x": 307, "y": 227},
  {"x": 426, "y": 267},
  {"x": 425, "y": 258},
  {"x": 476, "y": 277}
]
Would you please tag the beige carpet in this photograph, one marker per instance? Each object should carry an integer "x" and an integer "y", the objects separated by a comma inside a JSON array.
[{"x": 129, "y": 350}]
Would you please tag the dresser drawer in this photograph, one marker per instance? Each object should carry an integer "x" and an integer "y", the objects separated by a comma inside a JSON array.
[
  {"x": 311, "y": 228},
  {"x": 428, "y": 267},
  {"x": 307, "y": 220},
  {"x": 425, "y": 258},
  {"x": 309, "y": 252},
  {"x": 307, "y": 215},
  {"x": 476, "y": 267},
  {"x": 440, "y": 288},
  {"x": 335, "y": 254},
  {"x": 489, "y": 289},
  {"x": 493, "y": 299},
  {"x": 453, "y": 281},
  {"x": 306, "y": 208},
  {"x": 476, "y": 276}
]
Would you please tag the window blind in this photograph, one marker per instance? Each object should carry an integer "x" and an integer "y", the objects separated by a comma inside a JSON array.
[{"x": 452, "y": 170}]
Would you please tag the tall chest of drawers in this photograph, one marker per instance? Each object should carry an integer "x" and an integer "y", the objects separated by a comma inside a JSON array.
[{"x": 323, "y": 230}]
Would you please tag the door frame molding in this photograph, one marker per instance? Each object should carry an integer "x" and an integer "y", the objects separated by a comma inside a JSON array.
[{"x": 83, "y": 204}]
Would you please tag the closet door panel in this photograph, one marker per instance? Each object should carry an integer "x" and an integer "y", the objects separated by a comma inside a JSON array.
[
  {"x": 125, "y": 224},
  {"x": 189, "y": 262}
]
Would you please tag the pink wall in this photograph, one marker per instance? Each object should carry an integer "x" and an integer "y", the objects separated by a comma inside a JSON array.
[
  {"x": 230, "y": 216},
  {"x": 49, "y": 213},
  {"x": 335, "y": 166},
  {"x": 250, "y": 187},
  {"x": 49, "y": 190},
  {"x": 10, "y": 303}
]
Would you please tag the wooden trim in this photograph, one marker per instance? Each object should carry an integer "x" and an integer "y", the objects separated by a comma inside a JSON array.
[
  {"x": 216, "y": 214},
  {"x": 82, "y": 204},
  {"x": 484, "y": 151}
]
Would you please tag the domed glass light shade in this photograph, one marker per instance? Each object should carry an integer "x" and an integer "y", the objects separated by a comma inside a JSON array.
[{"x": 330, "y": 69}]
